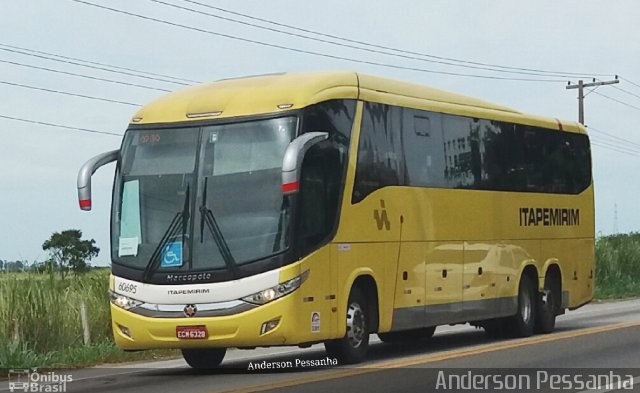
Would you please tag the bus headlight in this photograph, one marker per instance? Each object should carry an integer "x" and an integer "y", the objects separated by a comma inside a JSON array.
[
  {"x": 270, "y": 294},
  {"x": 123, "y": 301}
]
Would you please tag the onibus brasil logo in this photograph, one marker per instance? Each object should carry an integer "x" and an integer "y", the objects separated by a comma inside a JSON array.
[{"x": 30, "y": 380}]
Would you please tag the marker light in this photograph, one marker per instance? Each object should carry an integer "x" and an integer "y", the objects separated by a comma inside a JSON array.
[
  {"x": 269, "y": 326},
  {"x": 125, "y": 330},
  {"x": 270, "y": 294}
]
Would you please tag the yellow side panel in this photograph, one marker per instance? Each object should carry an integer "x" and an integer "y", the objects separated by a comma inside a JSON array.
[
  {"x": 410, "y": 286},
  {"x": 576, "y": 261},
  {"x": 317, "y": 297},
  {"x": 444, "y": 272}
]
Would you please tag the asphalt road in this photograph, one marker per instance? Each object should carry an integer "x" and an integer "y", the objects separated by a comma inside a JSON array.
[{"x": 591, "y": 347}]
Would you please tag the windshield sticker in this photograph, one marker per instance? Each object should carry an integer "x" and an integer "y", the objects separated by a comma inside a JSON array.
[
  {"x": 128, "y": 246},
  {"x": 172, "y": 255},
  {"x": 130, "y": 212}
]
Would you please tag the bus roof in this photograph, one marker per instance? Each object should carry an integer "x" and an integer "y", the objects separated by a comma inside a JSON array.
[{"x": 272, "y": 93}]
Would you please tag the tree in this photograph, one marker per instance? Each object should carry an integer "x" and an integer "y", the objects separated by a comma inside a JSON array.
[{"x": 68, "y": 251}]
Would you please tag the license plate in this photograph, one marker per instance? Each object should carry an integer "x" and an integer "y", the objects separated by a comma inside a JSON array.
[{"x": 192, "y": 332}]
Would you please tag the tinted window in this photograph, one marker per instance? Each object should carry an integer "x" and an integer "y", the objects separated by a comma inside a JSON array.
[
  {"x": 400, "y": 146},
  {"x": 323, "y": 171},
  {"x": 462, "y": 151},
  {"x": 380, "y": 158},
  {"x": 423, "y": 147}
]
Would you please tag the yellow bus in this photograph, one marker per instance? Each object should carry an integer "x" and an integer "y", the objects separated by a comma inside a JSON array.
[{"x": 293, "y": 209}]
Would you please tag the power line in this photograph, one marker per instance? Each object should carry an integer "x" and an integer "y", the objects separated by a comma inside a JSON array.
[
  {"x": 625, "y": 91},
  {"x": 271, "y": 45},
  {"x": 590, "y": 128},
  {"x": 616, "y": 150},
  {"x": 99, "y": 64},
  {"x": 618, "y": 101},
  {"x": 82, "y": 75},
  {"x": 59, "y": 125},
  {"x": 384, "y": 52},
  {"x": 67, "y": 93},
  {"x": 387, "y": 47},
  {"x": 631, "y": 82},
  {"x": 90, "y": 66},
  {"x": 616, "y": 145}
]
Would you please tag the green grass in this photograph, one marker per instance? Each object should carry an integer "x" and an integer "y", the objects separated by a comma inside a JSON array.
[
  {"x": 21, "y": 355},
  {"x": 618, "y": 266},
  {"x": 40, "y": 322}
]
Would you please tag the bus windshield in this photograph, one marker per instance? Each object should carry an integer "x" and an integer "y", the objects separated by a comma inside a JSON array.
[{"x": 202, "y": 198}]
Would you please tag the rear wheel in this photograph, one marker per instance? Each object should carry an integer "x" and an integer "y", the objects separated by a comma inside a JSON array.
[
  {"x": 522, "y": 324},
  {"x": 204, "y": 358},
  {"x": 408, "y": 336},
  {"x": 352, "y": 348},
  {"x": 547, "y": 305}
]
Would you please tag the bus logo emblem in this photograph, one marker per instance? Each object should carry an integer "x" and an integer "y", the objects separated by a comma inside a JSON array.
[
  {"x": 382, "y": 220},
  {"x": 190, "y": 310}
]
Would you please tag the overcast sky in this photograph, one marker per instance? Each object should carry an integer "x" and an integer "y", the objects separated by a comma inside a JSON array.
[{"x": 40, "y": 163}]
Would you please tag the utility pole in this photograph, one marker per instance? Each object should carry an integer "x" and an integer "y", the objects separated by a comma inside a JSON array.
[{"x": 580, "y": 86}]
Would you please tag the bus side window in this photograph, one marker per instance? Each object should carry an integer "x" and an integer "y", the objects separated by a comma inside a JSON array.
[
  {"x": 380, "y": 156},
  {"x": 423, "y": 148},
  {"x": 319, "y": 195}
]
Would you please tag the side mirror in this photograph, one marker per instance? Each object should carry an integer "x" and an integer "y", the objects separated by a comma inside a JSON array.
[
  {"x": 293, "y": 157},
  {"x": 85, "y": 173}
]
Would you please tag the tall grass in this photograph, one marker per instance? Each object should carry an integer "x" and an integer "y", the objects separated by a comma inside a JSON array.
[
  {"x": 618, "y": 266},
  {"x": 42, "y": 311},
  {"x": 40, "y": 315},
  {"x": 40, "y": 323}
]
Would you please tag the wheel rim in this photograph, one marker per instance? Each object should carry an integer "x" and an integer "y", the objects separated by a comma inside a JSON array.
[
  {"x": 356, "y": 325},
  {"x": 526, "y": 307}
]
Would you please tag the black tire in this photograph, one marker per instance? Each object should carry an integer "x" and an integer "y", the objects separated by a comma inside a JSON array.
[
  {"x": 352, "y": 348},
  {"x": 546, "y": 308},
  {"x": 408, "y": 336},
  {"x": 523, "y": 323},
  {"x": 204, "y": 358}
]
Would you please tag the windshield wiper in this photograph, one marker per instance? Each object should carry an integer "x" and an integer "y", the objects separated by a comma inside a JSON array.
[
  {"x": 177, "y": 223},
  {"x": 206, "y": 216}
]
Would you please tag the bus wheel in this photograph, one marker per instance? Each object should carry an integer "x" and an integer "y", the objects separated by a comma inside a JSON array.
[
  {"x": 204, "y": 358},
  {"x": 546, "y": 308},
  {"x": 352, "y": 348},
  {"x": 408, "y": 336},
  {"x": 523, "y": 322}
]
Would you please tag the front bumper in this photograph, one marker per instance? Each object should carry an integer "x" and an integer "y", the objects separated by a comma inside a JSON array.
[{"x": 238, "y": 330}]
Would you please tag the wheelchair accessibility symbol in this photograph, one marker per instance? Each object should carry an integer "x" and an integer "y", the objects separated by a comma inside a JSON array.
[{"x": 172, "y": 255}]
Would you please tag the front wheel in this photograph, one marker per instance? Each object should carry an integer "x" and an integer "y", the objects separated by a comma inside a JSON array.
[
  {"x": 352, "y": 348},
  {"x": 204, "y": 358}
]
